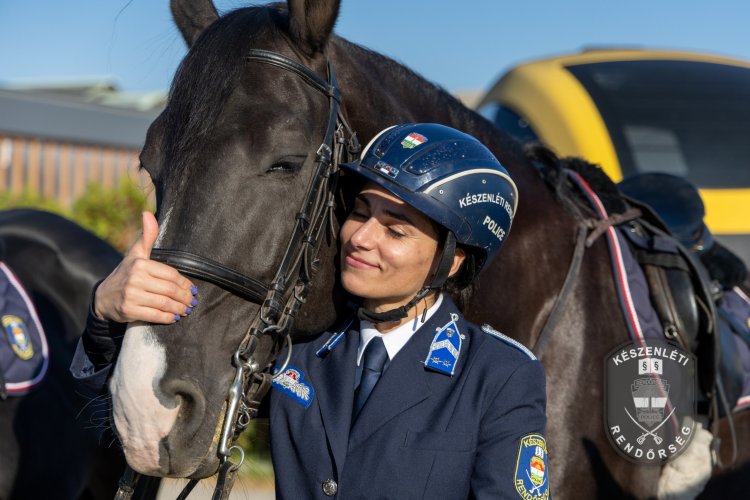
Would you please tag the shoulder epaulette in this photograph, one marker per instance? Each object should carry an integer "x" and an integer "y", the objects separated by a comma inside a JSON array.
[{"x": 513, "y": 342}]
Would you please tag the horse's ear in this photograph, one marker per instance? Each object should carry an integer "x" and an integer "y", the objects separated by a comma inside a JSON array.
[
  {"x": 311, "y": 23},
  {"x": 192, "y": 17}
]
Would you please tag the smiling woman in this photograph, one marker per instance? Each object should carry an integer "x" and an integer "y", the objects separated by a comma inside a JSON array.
[{"x": 414, "y": 385}]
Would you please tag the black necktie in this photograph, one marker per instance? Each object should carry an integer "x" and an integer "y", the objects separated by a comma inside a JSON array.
[{"x": 373, "y": 361}]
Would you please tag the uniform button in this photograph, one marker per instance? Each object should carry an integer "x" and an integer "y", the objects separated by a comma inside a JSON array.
[{"x": 330, "y": 487}]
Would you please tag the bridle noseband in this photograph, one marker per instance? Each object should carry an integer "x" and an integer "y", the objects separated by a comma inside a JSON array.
[{"x": 280, "y": 299}]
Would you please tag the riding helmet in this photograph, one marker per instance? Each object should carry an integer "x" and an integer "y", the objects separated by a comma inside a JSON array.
[{"x": 451, "y": 178}]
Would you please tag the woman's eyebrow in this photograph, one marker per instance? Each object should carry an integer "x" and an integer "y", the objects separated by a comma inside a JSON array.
[
  {"x": 391, "y": 213},
  {"x": 400, "y": 216}
]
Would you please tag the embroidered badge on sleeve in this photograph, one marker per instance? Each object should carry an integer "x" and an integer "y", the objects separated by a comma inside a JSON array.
[
  {"x": 18, "y": 337},
  {"x": 292, "y": 383},
  {"x": 531, "y": 468}
]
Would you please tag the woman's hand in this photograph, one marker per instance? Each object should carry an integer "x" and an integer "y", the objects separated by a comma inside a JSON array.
[{"x": 141, "y": 289}]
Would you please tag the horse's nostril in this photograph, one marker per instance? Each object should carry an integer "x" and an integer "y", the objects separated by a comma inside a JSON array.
[{"x": 186, "y": 395}]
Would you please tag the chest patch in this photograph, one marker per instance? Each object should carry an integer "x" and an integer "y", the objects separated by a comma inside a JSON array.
[
  {"x": 293, "y": 384},
  {"x": 531, "y": 468}
]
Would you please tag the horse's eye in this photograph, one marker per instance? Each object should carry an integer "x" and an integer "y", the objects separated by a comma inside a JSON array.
[{"x": 289, "y": 164}]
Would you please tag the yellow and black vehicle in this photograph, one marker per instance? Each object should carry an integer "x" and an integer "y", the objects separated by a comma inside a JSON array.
[{"x": 633, "y": 111}]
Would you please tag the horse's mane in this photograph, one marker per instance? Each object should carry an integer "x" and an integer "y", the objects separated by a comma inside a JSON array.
[
  {"x": 552, "y": 167},
  {"x": 397, "y": 70},
  {"x": 434, "y": 98}
]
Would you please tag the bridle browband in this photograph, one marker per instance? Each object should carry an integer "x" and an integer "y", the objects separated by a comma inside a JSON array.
[{"x": 280, "y": 299}]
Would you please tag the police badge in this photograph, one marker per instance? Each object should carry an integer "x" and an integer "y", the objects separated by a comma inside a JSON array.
[
  {"x": 531, "y": 468},
  {"x": 18, "y": 337},
  {"x": 650, "y": 400}
]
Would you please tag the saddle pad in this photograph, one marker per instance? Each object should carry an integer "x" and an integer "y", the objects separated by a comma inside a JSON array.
[
  {"x": 24, "y": 355},
  {"x": 632, "y": 288},
  {"x": 734, "y": 312},
  {"x": 633, "y": 293}
]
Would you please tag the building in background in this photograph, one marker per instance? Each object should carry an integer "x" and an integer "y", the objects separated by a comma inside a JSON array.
[{"x": 57, "y": 137}]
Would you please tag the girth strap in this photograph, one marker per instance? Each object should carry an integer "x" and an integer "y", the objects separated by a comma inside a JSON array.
[{"x": 213, "y": 272}]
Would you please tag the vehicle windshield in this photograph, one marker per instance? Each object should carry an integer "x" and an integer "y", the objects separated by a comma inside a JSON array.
[{"x": 686, "y": 118}]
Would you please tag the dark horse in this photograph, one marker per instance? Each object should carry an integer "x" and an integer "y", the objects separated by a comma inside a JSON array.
[
  {"x": 231, "y": 157},
  {"x": 47, "y": 450}
]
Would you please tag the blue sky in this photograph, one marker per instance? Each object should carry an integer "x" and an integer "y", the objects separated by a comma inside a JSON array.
[{"x": 460, "y": 48}]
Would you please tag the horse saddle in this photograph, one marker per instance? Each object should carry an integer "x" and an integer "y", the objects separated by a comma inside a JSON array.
[
  {"x": 657, "y": 278},
  {"x": 24, "y": 353},
  {"x": 689, "y": 305}
]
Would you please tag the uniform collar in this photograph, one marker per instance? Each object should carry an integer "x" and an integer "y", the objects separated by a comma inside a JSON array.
[
  {"x": 407, "y": 381},
  {"x": 394, "y": 339}
]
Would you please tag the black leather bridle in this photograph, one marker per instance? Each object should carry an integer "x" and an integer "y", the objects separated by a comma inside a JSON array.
[{"x": 281, "y": 298}]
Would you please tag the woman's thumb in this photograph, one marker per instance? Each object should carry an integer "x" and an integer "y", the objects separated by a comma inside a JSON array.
[{"x": 143, "y": 246}]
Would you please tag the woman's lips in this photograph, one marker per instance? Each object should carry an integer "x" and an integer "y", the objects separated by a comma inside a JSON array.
[{"x": 358, "y": 263}]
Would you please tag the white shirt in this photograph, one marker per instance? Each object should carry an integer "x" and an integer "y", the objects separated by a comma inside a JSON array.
[{"x": 397, "y": 338}]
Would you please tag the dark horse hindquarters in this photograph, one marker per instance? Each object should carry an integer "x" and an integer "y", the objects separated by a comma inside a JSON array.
[{"x": 49, "y": 448}]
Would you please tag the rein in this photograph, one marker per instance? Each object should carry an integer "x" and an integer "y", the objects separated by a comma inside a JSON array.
[{"x": 280, "y": 299}]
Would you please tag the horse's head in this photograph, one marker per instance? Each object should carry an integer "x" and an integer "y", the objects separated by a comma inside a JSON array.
[{"x": 232, "y": 157}]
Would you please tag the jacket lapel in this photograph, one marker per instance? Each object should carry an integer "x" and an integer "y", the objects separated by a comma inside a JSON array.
[
  {"x": 334, "y": 374},
  {"x": 406, "y": 382}
]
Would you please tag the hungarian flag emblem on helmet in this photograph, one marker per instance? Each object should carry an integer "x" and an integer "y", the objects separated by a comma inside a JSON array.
[{"x": 413, "y": 140}]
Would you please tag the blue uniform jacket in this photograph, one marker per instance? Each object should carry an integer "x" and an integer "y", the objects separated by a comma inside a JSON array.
[{"x": 422, "y": 433}]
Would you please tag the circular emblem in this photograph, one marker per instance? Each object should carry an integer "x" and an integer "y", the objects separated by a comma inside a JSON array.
[
  {"x": 650, "y": 400},
  {"x": 18, "y": 337}
]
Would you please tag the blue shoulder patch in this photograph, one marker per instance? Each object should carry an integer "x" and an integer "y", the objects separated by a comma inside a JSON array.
[
  {"x": 445, "y": 348},
  {"x": 513, "y": 342},
  {"x": 292, "y": 383},
  {"x": 531, "y": 468}
]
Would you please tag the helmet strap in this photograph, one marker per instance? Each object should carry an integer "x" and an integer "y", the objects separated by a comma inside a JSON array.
[
  {"x": 441, "y": 274},
  {"x": 446, "y": 261},
  {"x": 392, "y": 315}
]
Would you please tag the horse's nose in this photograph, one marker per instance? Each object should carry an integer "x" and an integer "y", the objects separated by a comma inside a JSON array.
[{"x": 192, "y": 404}]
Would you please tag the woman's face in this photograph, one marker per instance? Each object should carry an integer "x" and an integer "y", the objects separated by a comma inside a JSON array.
[{"x": 388, "y": 249}]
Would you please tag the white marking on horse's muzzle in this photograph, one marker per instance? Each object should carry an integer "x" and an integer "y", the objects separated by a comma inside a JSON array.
[{"x": 140, "y": 416}]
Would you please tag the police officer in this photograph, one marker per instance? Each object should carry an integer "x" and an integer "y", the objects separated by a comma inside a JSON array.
[{"x": 407, "y": 399}]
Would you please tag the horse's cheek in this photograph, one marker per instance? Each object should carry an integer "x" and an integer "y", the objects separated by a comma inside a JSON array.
[{"x": 140, "y": 416}]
